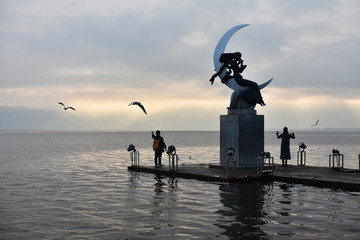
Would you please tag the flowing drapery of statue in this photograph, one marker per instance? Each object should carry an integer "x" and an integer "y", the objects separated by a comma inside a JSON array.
[{"x": 229, "y": 68}]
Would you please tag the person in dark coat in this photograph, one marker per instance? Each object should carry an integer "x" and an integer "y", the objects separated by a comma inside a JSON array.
[
  {"x": 159, "y": 147},
  {"x": 285, "y": 145}
]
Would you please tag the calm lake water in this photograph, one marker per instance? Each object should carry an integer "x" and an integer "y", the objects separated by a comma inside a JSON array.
[{"x": 75, "y": 185}]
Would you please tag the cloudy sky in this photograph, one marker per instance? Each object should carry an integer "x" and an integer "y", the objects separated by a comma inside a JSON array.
[{"x": 98, "y": 56}]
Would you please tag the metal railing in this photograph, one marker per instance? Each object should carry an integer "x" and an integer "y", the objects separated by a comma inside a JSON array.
[
  {"x": 135, "y": 158},
  {"x": 265, "y": 165},
  {"x": 230, "y": 161},
  {"x": 301, "y": 158},
  {"x": 336, "y": 162},
  {"x": 173, "y": 162}
]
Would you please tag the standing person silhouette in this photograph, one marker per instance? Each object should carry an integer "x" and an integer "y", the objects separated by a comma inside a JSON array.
[
  {"x": 285, "y": 145},
  {"x": 159, "y": 147}
]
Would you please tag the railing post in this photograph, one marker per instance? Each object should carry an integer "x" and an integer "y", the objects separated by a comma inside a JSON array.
[
  {"x": 135, "y": 158},
  {"x": 172, "y": 162},
  {"x": 336, "y": 162},
  {"x": 301, "y": 158},
  {"x": 265, "y": 164},
  {"x": 229, "y": 160}
]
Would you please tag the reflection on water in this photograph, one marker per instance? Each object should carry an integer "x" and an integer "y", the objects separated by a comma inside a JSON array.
[
  {"x": 301, "y": 212},
  {"x": 286, "y": 195},
  {"x": 77, "y": 186},
  {"x": 244, "y": 210}
]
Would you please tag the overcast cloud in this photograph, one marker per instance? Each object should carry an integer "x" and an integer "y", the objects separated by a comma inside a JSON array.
[{"x": 99, "y": 56}]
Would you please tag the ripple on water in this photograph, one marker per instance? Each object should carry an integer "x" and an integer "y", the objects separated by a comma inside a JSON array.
[{"x": 86, "y": 192}]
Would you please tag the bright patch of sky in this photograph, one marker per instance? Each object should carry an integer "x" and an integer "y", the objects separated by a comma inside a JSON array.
[{"x": 100, "y": 56}]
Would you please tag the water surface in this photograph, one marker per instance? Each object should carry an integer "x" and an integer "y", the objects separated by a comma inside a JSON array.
[{"x": 75, "y": 185}]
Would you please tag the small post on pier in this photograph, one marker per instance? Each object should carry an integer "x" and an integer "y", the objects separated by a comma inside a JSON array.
[
  {"x": 173, "y": 162},
  {"x": 301, "y": 158},
  {"x": 336, "y": 161},
  {"x": 265, "y": 164},
  {"x": 173, "y": 158},
  {"x": 135, "y": 158},
  {"x": 134, "y": 155},
  {"x": 301, "y": 155}
]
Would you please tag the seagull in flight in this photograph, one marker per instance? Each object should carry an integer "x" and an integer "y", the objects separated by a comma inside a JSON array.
[
  {"x": 315, "y": 123},
  {"x": 66, "y": 108},
  {"x": 139, "y": 104}
]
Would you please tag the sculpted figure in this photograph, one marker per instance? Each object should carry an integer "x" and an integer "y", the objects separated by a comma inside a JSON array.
[
  {"x": 234, "y": 66},
  {"x": 229, "y": 67},
  {"x": 226, "y": 59}
]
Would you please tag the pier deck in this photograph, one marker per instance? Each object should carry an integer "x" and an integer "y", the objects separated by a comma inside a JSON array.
[{"x": 315, "y": 176}]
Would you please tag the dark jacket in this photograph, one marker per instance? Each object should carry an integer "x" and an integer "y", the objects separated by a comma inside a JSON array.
[
  {"x": 162, "y": 142},
  {"x": 285, "y": 145}
]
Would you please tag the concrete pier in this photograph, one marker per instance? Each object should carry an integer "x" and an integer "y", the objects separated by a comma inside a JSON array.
[{"x": 315, "y": 176}]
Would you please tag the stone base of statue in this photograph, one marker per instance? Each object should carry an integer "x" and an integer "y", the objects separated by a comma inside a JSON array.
[{"x": 243, "y": 131}]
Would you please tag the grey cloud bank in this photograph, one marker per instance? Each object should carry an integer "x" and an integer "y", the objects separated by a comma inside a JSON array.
[{"x": 310, "y": 48}]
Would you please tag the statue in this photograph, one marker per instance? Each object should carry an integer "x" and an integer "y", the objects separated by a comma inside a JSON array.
[
  {"x": 229, "y": 67},
  {"x": 234, "y": 65}
]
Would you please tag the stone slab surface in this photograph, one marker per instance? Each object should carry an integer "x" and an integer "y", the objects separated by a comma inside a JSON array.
[{"x": 314, "y": 176}]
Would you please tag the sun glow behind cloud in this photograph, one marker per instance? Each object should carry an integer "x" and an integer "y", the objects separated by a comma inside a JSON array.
[
  {"x": 299, "y": 108},
  {"x": 76, "y": 72},
  {"x": 100, "y": 57}
]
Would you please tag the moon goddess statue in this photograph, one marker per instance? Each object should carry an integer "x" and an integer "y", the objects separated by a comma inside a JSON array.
[{"x": 228, "y": 67}]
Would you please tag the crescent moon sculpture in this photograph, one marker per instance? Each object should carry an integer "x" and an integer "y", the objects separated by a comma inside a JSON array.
[{"x": 231, "y": 82}]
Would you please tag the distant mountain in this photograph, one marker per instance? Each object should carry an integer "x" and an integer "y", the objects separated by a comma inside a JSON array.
[{"x": 23, "y": 118}]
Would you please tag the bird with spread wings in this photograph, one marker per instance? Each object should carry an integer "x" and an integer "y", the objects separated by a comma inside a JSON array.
[
  {"x": 139, "y": 104},
  {"x": 316, "y": 123},
  {"x": 66, "y": 108}
]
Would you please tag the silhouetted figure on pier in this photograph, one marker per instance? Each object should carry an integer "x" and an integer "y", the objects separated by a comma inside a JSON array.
[
  {"x": 285, "y": 145},
  {"x": 159, "y": 147}
]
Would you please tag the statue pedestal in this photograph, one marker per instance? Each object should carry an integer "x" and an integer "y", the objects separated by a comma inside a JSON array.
[{"x": 242, "y": 130}]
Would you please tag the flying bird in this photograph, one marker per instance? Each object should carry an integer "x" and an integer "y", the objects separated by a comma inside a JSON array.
[
  {"x": 315, "y": 123},
  {"x": 139, "y": 104},
  {"x": 66, "y": 108}
]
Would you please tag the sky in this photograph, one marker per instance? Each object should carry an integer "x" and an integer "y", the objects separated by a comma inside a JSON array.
[{"x": 98, "y": 56}]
